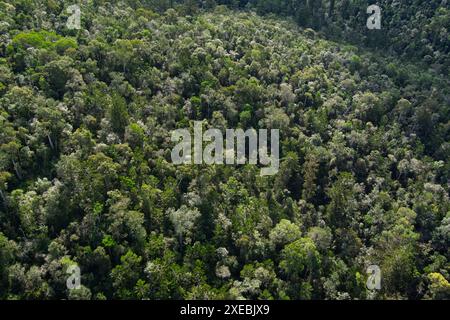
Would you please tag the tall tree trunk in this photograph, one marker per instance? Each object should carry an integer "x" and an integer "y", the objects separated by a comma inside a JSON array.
[
  {"x": 50, "y": 141},
  {"x": 331, "y": 10},
  {"x": 17, "y": 170}
]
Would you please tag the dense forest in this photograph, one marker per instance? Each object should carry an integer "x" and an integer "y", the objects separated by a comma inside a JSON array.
[{"x": 86, "y": 176}]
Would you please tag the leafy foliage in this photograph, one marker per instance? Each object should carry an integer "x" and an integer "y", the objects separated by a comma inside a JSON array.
[{"x": 86, "y": 176}]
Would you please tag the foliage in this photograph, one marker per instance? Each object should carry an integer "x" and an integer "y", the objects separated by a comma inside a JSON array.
[{"x": 86, "y": 176}]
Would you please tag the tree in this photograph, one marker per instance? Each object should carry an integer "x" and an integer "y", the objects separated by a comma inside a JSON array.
[
  {"x": 300, "y": 259},
  {"x": 439, "y": 287},
  {"x": 125, "y": 224},
  {"x": 284, "y": 233},
  {"x": 57, "y": 73},
  {"x": 441, "y": 236},
  {"x": 342, "y": 207},
  {"x": 81, "y": 293},
  {"x": 300, "y": 262},
  {"x": 8, "y": 251},
  {"x": 118, "y": 114},
  {"x": 126, "y": 275},
  {"x": 184, "y": 220},
  {"x": 310, "y": 169},
  {"x": 331, "y": 9}
]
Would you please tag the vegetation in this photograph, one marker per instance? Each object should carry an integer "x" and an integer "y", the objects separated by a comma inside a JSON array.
[{"x": 86, "y": 176}]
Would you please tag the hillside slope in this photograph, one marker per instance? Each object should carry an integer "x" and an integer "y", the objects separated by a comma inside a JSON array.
[{"x": 86, "y": 176}]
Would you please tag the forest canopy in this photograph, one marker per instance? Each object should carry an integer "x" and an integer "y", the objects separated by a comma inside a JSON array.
[{"x": 86, "y": 176}]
